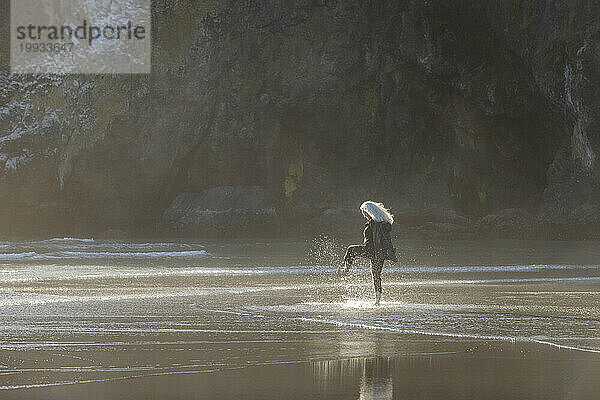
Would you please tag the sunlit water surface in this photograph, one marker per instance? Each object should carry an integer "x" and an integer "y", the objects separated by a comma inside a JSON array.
[{"x": 77, "y": 312}]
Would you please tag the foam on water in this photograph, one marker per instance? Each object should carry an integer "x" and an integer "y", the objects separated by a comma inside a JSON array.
[
  {"x": 490, "y": 268},
  {"x": 84, "y": 248},
  {"x": 31, "y": 255},
  {"x": 21, "y": 299},
  {"x": 70, "y": 239},
  {"x": 57, "y": 273},
  {"x": 18, "y": 256},
  {"x": 111, "y": 254},
  {"x": 542, "y": 323},
  {"x": 450, "y": 334}
]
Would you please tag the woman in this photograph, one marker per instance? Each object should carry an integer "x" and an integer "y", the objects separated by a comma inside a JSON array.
[{"x": 377, "y": 244}]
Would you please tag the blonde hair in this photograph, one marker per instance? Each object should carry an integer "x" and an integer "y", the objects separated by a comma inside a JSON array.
[{"x": 377, "y": 212}]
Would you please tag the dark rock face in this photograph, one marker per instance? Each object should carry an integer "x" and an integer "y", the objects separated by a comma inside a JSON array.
[
  {"x": 220, "y": 211},
  {"x": 570, "y": 206},
  {"x": 348, "y": 221},
  {"x": 438, "y": 230},
  {"x": 445, "y": 111},
  {"x": 508, "y": 223}
]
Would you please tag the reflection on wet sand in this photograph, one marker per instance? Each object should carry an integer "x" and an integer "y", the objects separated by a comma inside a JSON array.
[
  {"x": 372, "y": 375},
  {"x": 494, "y": 370},
  {"x": 376, "y": 380}
]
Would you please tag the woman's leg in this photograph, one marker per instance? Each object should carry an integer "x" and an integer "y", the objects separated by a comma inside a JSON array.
[
  {"x": 351, "y": 253},
  {"x": 354, "y": 251},
  {"x": 376, "y": 267}
]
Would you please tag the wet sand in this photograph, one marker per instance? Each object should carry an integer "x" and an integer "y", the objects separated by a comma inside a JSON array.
[
  {"x": 248, "y": 320},
  {"x": 474, "y": 370}
]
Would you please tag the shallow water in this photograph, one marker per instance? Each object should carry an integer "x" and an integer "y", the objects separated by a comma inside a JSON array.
[{"x": 79, "y": 312}]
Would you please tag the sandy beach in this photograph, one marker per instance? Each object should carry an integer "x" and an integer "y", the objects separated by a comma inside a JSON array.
[{"x": 251, "y": 319}]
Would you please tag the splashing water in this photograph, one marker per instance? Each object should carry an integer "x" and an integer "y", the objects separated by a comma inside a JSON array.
[{"x": 324, "y": 250}]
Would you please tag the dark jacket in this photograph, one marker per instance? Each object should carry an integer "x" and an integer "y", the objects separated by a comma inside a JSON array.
[{"x": 382, "y": 241}]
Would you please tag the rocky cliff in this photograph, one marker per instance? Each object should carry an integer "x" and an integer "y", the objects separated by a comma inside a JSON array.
[{"x": 467, "y": 118}]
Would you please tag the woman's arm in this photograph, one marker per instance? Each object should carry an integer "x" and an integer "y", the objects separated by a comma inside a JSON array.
[{"x": 368, "y": 238}]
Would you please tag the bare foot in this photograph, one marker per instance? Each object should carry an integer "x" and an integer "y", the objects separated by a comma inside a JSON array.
[{"x": 342, "y": 269}]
